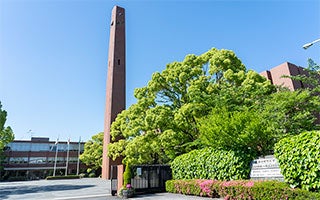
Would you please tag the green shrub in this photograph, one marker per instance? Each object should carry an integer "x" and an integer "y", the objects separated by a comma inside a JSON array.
[
  {"x": 303, "y": 195},
  {"x": 82, "y": 175},
  {"x": 299, "y": 160},
  {"x": 92, "y": 175},
  {"x": 193, "y": 187},
  {"x": 239, "y": 189},
  {"x": 63, "y": 177},
  {"x": 17, "y": 178},
  {"x": 271, "y": 190},
  {"x": 209, "y": 163},
  {"x": 127, "y": 176},
  {"x": 170, "y": 186}
]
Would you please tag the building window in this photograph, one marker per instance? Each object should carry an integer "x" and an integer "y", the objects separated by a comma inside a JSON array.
[
  {"x": 51, "y": 159},
  {"x": 118, "y": 61},
  {"x": 73, "y": 159},
  {"x": 38, "y": 160},
  {"x": 18, "y": 160}
]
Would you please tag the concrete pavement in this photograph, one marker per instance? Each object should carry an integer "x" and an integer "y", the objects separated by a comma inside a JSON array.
[{"x": 80, "y": 189}]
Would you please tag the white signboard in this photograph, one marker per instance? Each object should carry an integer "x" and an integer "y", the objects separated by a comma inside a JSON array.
[{"x": 266, "y": 168}]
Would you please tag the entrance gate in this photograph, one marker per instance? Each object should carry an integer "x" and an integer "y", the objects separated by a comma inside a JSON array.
[{"x": 150, "y": 178}]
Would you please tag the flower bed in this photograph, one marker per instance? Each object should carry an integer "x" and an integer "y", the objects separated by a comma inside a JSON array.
[{"x": 240, "y": 189}]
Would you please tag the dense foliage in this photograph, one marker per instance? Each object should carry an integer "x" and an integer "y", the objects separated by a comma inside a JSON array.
[
  {"x": 163, "y": 123},
  {"x": 92, "y": 155},
  {"x": 238, "y": 190},
  {"x": 6, "y": 133},
  {"x": 6, "y": 136},
  {"x": 299, "y": 159},
  {"x": 255, "y": 129},
  {"x": 209, "y": 163},
  {"x": 209, "y": 100}
]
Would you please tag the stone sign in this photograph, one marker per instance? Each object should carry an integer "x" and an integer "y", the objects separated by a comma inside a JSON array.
[{"x": 266, "y": 168}]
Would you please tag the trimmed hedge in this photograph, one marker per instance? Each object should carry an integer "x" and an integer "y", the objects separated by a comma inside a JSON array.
[
  {"x": 236, "y": 190},
  {"x": 63, "y": 177},
  {"x": 299, "y": 160},
  {"x": 18, "y": 178},
  {"x": 209, "y": 163}
]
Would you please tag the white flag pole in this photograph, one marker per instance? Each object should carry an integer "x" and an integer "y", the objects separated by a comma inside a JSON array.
[
  {"x": 78, "y": 163},
  {"x": 67, "y": 161},
  {"x": 55, "y": 159}
]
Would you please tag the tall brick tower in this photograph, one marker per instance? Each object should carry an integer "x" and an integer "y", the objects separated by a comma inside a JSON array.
[{"x": 115, "y": 98}]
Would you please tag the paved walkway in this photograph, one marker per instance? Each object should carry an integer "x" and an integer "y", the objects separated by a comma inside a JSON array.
[{"x": 87, "y": 188}]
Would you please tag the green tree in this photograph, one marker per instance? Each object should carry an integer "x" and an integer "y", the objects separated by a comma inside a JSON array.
[
  {"x": 163, "y": 123},
  {"x": 6, "y": 133},
  {"x": 291, "y": 112},
  {"x": 92, "y": 155},
  {"x": 255, "y": 129},
  {"x": 239, "y": 130}
]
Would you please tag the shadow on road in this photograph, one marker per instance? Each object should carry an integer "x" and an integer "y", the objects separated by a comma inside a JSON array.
[{"x": 20, "y": 190}]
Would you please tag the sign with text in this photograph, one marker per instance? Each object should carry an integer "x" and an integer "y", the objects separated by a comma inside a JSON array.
[{"x": 266, "y": 168}]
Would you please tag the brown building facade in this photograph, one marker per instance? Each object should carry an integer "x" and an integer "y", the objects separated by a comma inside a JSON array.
[
  {"x": 35, "y": 158},
  {"x": 288, "y": 69}
]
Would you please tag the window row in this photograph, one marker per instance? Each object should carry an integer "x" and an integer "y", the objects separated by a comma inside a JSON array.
[
  {"x": 16, "y": 146},
  {"x": 39, "y": 160}
]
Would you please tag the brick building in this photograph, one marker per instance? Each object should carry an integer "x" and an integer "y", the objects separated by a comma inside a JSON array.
[
  {"x": 275, "y": 75},
  {"x": 35, "y": 158},
  {"x": 288, "y": 69}
]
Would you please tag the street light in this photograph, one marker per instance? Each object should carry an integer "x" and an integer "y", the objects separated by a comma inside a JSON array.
[{"x": 310, "y": 44}]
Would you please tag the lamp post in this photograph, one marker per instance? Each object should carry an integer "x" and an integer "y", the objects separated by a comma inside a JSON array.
[{"x": 310, "y": 44}]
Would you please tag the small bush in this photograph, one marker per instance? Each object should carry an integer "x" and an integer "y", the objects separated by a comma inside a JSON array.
[
  {"x": 63, "y": 177},
  {"x": 82, "y": 175},
  {"x": 241, "y": 189},
  {"x": 299, "y": 160},
  {"x": 127, "y": 176},
  {"x": 92, "y": 175},
  {"x": 209, "y": 163},
  {"x": 303, "y": 195}
]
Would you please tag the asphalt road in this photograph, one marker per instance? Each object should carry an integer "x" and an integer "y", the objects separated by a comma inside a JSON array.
[{"x": 79, "y": 189}]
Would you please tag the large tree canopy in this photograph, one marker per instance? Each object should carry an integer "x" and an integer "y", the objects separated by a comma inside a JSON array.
[
  {"x": 210, "y": 100},
  {"x": 164, "y": 122},
  {"x": 6, "y": 133}
]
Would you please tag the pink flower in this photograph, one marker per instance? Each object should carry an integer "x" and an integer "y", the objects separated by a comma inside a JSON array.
[{"x": 250, "y": 184}]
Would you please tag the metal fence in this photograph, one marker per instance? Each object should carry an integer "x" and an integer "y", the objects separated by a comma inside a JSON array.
[
  {"x": 145, "y": 178},
  {"x": 150, "y": 178},
  {"x": 114, "y": 179}
]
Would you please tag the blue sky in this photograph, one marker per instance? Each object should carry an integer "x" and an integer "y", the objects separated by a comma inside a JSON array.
[{"x": 53, "y": 54}]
